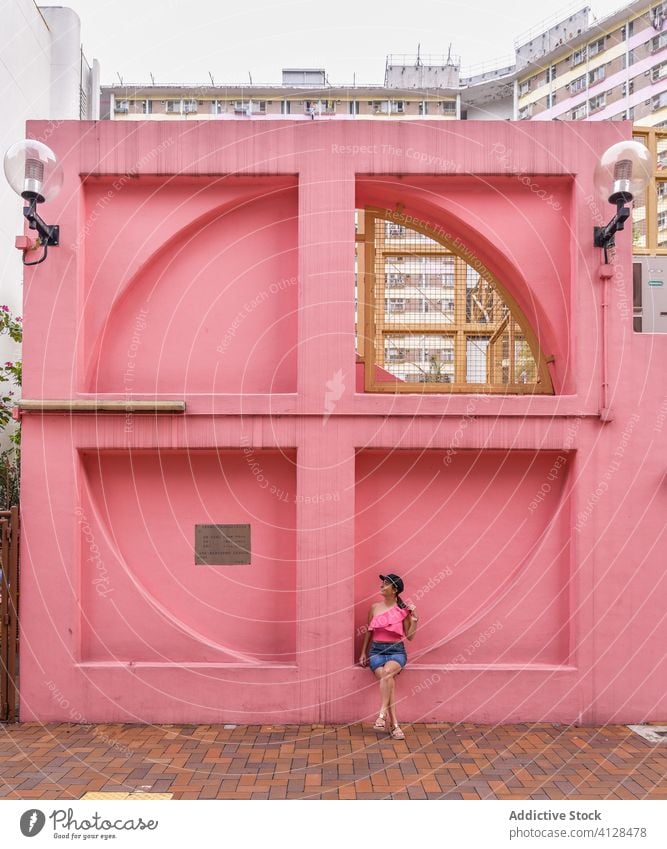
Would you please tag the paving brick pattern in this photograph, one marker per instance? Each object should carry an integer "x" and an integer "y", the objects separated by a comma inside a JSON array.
[{"x": 435, "y": 761}]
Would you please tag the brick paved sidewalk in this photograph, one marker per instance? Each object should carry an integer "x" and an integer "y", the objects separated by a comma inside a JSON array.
[{"x": 436, "y": 761}]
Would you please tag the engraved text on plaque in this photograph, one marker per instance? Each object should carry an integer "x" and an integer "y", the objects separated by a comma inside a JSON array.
[{"x": 222, "y": 545}]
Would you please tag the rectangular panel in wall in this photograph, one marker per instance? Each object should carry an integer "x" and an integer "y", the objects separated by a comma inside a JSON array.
[
  {"x": 142, "y": 596},
  {"x": 480, "y": 539}
]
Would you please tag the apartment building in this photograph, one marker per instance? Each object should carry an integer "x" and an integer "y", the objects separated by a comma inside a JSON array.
[
  {"x": 614, "y": 70},
  {"x": 304, "y": 93},
  {"x": 571, "y": 68}
]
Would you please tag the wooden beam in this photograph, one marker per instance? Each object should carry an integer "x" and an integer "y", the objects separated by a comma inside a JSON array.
[{"x": 92, "y": 405}]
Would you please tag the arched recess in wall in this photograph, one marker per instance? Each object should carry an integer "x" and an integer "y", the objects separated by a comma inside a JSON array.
[
  {"x": 213, "y": 310},
  {"x": 432, "y": 317}
]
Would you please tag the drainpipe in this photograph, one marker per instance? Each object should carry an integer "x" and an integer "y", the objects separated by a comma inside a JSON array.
[{"x": 606, "y": 273}]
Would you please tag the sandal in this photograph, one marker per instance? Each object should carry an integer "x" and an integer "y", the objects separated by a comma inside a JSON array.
[
  {"x": 380, "y": 723},
  {"x": 397, "y": 734}
]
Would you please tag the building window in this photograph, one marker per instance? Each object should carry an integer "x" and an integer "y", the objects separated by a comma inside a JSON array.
[
  {"x": 121, "y": 106},
  {"x": 658, "y": 42},
  {"x": 579, "y": 112},
  {"x": 173, "y": 107},
  {"x": 354, "y": 107},
  {"x": 659, "y": 100},
  {"x": 595, "y": 47},
  {"x": 449, "y": 107},
  {"x": 551, "y": 100},
  {"x": 147, "y": 107},
  {"x": 189, "y": 106},
  {"x": 250, "y": 107},
  {"x": 526, "y": 112},
  {"x": 658, "y": 72},
  {"x": 551, "y": 74},
  {"x": 626, "y": 31},
  {"x": 388, "y": 107},
  {"x": 658, "y": 15},
  {"x": 628, "y": 59},
  {"x": 395, "y": 304},
  {"x": 524, "y": 87},
  {"x": 597, "y": 74},
  {"x": 579, "y": 56},
  {"x": 628, "y": 88},
  {"x": 596, "y": 102},
  {"x": 578, "y": 84}
]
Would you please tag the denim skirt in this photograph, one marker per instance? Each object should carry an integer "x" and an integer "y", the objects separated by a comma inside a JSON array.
[{"x": 381, "y": 653}]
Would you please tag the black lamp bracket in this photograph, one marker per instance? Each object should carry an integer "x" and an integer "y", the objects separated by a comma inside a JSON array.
[
  {"x": 603, "y": 237},
  {"x": 49, "y": 233}
]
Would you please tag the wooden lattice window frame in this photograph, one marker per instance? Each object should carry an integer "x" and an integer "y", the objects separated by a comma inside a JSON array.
[
  {"x": 368, "y": 331},
  {"x": 650, "y": 137}
]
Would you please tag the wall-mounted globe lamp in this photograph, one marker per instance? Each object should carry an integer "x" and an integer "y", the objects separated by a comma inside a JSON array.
[
  {"x": 33, "y": 171},
  {"x": 622, "y": 173}
]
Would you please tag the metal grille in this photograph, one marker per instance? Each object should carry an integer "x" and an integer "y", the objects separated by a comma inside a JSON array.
[
  {"x": 433, "y": 317},
  {"x": 9, "y": 594}
]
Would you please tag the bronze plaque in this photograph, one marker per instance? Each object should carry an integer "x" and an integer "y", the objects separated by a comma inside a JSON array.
[{"x": 222, "y": 545}]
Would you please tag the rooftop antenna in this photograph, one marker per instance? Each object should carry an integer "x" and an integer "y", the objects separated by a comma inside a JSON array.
[
  {"x": 119, "y": 77},
  {"x": 449, "y": 54},
  {"x": 418, "y": 57},
  {"x": 150, "y": 74},
  {"x": 250, "y": 76},
  {"x": 211, "y": 76}
]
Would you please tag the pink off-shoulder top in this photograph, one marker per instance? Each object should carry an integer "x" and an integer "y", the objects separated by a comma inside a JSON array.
[{"x": 387, "y": 626}]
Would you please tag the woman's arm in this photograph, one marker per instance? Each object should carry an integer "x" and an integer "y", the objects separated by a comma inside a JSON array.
[
  {"x": 363, "y": 657},
  {"x": 410, "y": 622}
]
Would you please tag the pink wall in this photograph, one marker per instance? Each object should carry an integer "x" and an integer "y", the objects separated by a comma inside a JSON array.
[{"x": 221, "y": 272}]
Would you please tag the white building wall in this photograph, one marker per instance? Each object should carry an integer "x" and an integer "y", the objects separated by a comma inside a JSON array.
[
  {"x": 65, "y": 70},
  {"x": 39, "y": 79},
  {"x": 495, "y": 110},
  {"x": 25, "y": 71}
]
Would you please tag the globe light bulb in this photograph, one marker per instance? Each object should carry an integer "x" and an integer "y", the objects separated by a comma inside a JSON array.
[
  {"x": 33, "y": 170},
  {"x": 623, "y": 171}
]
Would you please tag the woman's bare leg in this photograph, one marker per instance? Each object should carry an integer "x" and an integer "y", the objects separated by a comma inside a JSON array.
[
  {"x": 393, "y": 669},
  {"x": 386, "y": 687}
]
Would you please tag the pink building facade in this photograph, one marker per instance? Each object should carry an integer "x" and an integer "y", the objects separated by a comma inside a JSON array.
[{"x": 214, "y": 264}]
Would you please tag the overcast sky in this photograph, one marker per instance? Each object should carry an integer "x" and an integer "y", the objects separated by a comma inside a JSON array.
[{"x": 181, "y": 41}]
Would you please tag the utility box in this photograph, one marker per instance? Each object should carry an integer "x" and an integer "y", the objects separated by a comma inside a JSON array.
[{"x": 649, "y": 280}]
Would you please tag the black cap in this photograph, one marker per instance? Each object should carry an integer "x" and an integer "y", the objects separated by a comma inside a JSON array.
[{"x": 395, "y": 580}]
